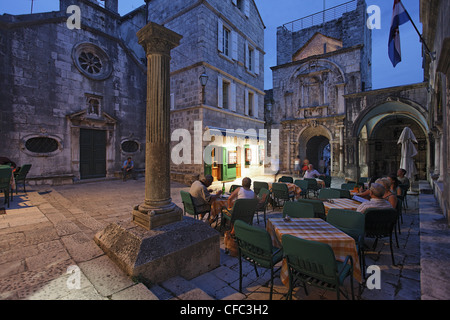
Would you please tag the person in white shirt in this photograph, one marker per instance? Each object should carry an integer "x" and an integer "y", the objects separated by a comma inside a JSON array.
[
  {"x": 243, "y": 192},
  {"x": 311, "y": 173},
  {"x": 377, "y": 192}
]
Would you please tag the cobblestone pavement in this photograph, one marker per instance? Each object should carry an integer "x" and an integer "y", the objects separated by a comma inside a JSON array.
[{"x": 47, "y": 252}]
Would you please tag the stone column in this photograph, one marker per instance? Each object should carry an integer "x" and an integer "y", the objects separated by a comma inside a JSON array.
[{"x": 158, "y": 208}]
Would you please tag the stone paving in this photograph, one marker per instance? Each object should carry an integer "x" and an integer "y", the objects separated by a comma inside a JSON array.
[{"x": 47, "y": 252}]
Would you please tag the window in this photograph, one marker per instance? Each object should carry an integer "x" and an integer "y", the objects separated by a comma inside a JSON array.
[
  {"x": 226, "y": 94},
  {"x": 91, "y": 61},
  {"x": 250, "y": 104},
  {"x": 251, "y": 58},
  {"x": 226, "y": 41},
  {"x": 41, "y": 145},
  {"x": 130, "y": 146},
  {"x": 240, "y": 4}
]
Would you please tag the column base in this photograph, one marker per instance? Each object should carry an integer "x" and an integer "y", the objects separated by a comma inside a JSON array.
[
  {"x": 150, "y": 218},
  {"x": 187, "y": 248}
]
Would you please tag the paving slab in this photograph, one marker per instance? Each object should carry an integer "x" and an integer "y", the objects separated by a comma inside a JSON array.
[{"x": 50, "y": 230}]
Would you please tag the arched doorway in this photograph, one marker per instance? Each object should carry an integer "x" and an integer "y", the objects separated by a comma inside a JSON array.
[
  {"x": 379, "y": 129},
  {"x": 314, "y": 144},
  {"x": 318, "y": 152},
  {"x": 384, "y": 152}
]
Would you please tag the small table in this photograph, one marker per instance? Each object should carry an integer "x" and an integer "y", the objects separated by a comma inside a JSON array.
[
  {"x": 341, "y": 203},
  {"x": 317, "y": 230}
]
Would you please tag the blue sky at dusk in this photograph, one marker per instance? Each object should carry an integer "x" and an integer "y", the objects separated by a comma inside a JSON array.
[{"x": 278, "y": 12}]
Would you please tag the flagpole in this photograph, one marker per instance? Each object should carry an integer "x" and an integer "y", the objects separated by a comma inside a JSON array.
[{"x": 432, "y": 55}]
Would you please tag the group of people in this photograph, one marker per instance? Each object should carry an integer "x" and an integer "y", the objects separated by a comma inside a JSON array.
[
  {"x": 306, "y": 169},
  {"x": 384, "y": 193},
  {"x": 203, "y": 198}
]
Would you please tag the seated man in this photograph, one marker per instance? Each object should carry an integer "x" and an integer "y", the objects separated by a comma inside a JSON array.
[
  {"x": 201, "y": 195},
  {"x": 311, "y": 173},
  {"x": 377, "y": 192},
  {"x": 404, "y": 181},
  {"x": 127, "y": 169}
]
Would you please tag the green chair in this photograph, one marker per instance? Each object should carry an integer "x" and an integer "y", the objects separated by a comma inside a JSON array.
[
  {"x": 189, "y": 207},
  {"x": 257, "y": 185},
  {"x": 399, "y": 209},
  {"x": 326, "y": 179},
  {"x": 405, "y": 188},
  {"x": 255, "y": 246},
  {"x": 380, "y": 223},
  {"x": 286, "y": 179},
  {"x": 234, "y": 187},
  {"x": 295, "y": 209},
  {"x": 5, "y": 182},
  {"x": 280, "y": 191},
  {"x": 343, "y": 193},
  {"x": 319, "y": 208},
  {"x": 262, "y": 206},
  {"x": 312, "y": 186},
  {"x": 352, "y": 223},
  {"x": 243, "y": 209},
  {"x": 348, "y": 186},
  {"x": 329, "y": 194},
  {"x": 303, "y": 185},
  {"x": 21, "y": 175},
  {"x": 314, "y": 263}
]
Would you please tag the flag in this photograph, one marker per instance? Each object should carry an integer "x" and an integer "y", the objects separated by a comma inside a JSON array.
[{"x": 399, "y": 17}]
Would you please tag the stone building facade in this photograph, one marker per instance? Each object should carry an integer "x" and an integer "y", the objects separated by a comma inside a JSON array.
[
  {"x": 223, "y": 40},
  {"x": 72, "y": 100},
  {"x": 316, "y": 67},
  {"x": 436, "y": 33}
]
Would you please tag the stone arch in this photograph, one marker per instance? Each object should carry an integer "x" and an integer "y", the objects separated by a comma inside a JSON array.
[
  {"x": 377, "y": 130},
  {"x": 311, "y": 140}
]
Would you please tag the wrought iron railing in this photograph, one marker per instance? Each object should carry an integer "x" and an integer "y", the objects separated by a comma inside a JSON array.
[{"x": 321, "y": 17}]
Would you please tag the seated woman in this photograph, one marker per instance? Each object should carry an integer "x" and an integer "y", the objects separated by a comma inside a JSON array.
[
  {"x": 366, "y": 194},
  {"x": 388, "y": 195},
  {"x": 395, "y": 184}
]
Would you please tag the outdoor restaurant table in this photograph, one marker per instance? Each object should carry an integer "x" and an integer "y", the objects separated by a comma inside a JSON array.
[
  {"x": 292, "y": 187},
  {"x": 314, "y": 229},
  {"x": 341, "y": 203}
]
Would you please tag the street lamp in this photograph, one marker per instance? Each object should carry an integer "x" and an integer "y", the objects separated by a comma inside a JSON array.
[{"x": 203, "y": 81}]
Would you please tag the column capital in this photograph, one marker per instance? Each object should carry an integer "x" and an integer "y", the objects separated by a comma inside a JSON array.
[{"x": 157, "y": 39}]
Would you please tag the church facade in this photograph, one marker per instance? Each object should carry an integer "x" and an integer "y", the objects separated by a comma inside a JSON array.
[{"x": 317, "y": 66}]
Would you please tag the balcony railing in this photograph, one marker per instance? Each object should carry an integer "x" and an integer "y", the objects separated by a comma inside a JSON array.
[{"x": 321, "y": 17}]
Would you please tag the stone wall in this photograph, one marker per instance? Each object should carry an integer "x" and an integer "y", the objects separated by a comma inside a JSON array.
[{"x": 45, "y": 89}]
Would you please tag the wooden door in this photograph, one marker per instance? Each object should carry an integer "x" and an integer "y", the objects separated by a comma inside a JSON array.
[{"x": 92, "y": 153}]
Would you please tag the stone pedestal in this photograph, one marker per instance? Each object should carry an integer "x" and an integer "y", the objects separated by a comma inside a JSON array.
[{"x": 187, "y": 248}]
